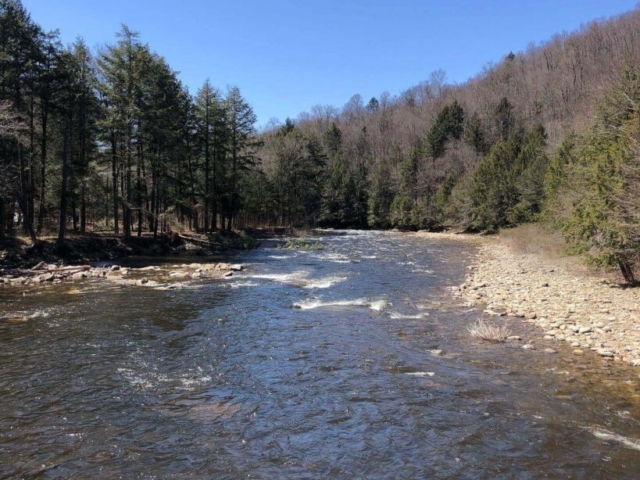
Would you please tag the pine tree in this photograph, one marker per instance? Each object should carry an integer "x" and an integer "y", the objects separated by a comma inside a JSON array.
[{"x": 241, "y": 145}]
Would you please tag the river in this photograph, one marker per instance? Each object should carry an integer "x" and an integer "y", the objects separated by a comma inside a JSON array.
[{"x": 345, "y": 361}]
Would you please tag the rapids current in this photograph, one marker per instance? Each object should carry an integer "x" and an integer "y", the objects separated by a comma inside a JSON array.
[{"x": 350, "y": 361}]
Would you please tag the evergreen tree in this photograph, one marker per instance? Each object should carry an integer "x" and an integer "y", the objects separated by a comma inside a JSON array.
[
  {"x": 241, "y": 147},
  {"x": 448, "y": 124},
  {"x": 212, "y": 136}
]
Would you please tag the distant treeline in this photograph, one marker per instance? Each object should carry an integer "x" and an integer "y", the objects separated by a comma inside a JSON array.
[{"x": 112, "y": 140}]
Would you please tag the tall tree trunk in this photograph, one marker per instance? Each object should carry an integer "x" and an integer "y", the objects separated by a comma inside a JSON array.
[
  {"x": 214, "y": 196},
  {"x": 43, "y": 166},
  {"x": 139, "y": 184},
  {"x": 2, "y": 218},
  {"x": 28, "y": 226},
  {"x": 74, "y": 214},
  {"x": 206, "y": 184},
  {"x": 106, "y": 204},
  {"x": 156, "y": 211},
  {"x": 32, "y": 156},
  {"x": 83, "y": 210},
  {"x": 114, "y": 181},
  {"x": 21, "y": 197},
  {"x": 192, "y": 190},
  {"x": 234, "y": 167},
  {"x": 66, "y": 161},
  {"x": 126, "y": 206}
]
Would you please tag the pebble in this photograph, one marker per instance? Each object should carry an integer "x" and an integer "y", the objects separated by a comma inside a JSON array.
[{"x": 579, "y": 308}]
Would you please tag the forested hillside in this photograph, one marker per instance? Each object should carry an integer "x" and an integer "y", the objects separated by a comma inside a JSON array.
[
  {"x": 111, "y": 140},
  {"x": 547, "y": 134}
]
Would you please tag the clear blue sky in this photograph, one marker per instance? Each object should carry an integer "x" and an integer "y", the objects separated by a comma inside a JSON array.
[{"x": 288, "y": 55}]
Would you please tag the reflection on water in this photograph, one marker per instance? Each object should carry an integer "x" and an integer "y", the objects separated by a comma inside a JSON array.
[{"x": 347, "y": 362}]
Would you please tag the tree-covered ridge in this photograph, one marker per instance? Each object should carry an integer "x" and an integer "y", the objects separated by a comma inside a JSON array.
[{"x": 112, "y": 140}]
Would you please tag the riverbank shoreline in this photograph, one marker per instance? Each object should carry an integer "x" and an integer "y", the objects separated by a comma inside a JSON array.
[
  {"x": 97, "y": 256},
  {"x": 17, "y": 252},
  {"x": 564, "y": 300}
]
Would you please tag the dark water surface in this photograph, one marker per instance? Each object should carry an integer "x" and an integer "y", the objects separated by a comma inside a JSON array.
[{"x": 309, "y": 364}]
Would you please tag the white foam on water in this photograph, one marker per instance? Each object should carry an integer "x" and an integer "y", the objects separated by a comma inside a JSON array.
[
  {"x": 280, "y": 257},
  {"x": 190, "y": 383},
  {"x": 244, "y": 284},
  {"x": 39, "y": 314},
  {"x": 136, "y": 380},
  {"x": 423, "y": 306},
  {"x": 150, "y": 380},
  {"x": 376, "y": 305},
  {"x": 421, "y": 374},
  {"x": 402, "y": 316},
  {"x": 380, "y": 305},
  {"x": 324, "y": 282},
  {"x": 610, "y": 436},
  {"x": 280, "y": 277},
  {"x": 331, "y": 257}
]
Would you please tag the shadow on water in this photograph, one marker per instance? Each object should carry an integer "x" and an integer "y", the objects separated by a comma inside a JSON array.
[{"x": 345, "y": 362}]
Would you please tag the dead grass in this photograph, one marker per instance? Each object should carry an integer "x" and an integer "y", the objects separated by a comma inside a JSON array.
[
  {"x": 549, "y": 247},
  {"x": 536, "y": 239},
  {"x": 488, "y": 331}
]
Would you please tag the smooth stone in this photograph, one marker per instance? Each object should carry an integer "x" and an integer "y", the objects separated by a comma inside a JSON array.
[{"x": 605, "y": 353}]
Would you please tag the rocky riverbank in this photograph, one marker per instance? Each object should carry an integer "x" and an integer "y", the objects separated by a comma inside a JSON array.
[
  {"x": 165, "y": 277},
  {"x": 568, "y": 305},
  {"x": 92, "y": 258}
]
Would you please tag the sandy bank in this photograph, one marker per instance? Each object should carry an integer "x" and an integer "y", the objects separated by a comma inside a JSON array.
[{"x": 567, "y": 304}]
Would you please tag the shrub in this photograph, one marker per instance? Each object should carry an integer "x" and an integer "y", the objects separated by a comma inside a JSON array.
[{"x": 488, "y": 331}]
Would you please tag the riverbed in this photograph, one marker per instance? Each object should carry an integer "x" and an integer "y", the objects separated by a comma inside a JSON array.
[{"x": 345, "y": 358}]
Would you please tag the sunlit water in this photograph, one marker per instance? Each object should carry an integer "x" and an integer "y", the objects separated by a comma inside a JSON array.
[{"x": 309, "y": 364}]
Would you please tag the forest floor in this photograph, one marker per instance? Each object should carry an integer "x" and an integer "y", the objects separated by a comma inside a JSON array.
[{"x": 523, "y": 275}]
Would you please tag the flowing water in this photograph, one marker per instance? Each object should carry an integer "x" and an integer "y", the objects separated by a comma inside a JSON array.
[{"x": 349, "y": 361}]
